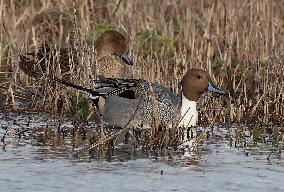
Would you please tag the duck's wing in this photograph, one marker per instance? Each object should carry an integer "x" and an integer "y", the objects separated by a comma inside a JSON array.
[
  {"x": 125, "y": 88},
  {"x": 28, "y": 66},
  {"x": 139, "y": 87},
  {"x": 33, "y": 63},
  {"x": 36, "y": 63},
  {"x": 116, "y": 82},
  {"x": 105, "y": 88}
]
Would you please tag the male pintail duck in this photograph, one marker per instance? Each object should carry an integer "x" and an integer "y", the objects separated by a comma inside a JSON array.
[
  {"x": 111, "y": 48},
  {"x": 123, "y": 97}
]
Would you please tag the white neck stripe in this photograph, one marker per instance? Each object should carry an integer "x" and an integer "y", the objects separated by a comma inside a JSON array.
[{"x": 188, "y": 113}]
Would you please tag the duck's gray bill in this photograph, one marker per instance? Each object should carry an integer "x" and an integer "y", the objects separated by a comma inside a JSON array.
[
  {"x": 126, "y": 59},
  {"x": 212, "y": 88}
]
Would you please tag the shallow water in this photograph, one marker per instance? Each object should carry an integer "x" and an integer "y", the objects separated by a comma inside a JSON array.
[{"x": 28, "y": 166}]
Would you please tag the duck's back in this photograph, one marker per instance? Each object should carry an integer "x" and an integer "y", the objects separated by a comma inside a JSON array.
[
  {"x": 162, "y": 101},
  {"x": 161, "y": 104}
]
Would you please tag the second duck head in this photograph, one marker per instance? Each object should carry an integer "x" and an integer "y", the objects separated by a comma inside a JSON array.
[{"x": 113, "y": 43}]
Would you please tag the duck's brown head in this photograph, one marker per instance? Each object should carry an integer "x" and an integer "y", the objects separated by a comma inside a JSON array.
[
  {"x": 195, "y": 82},
  {"x": 113, "y": 43}
]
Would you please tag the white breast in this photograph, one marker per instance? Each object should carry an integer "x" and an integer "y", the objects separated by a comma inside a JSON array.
[{"x": 188, "y": 112}]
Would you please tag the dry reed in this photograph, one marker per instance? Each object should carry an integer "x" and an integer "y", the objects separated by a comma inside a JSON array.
[{"x": 238, "y": 42}]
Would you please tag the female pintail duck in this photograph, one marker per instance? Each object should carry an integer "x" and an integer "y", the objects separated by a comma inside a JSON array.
[
  {"x": 122, "y": 97},
  {"x": 111, "y": 52}
]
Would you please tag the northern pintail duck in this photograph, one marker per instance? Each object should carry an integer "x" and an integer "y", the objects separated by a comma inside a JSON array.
[
  {"x": 111, "y": 53},
  {"x": 122, "y": 97}
]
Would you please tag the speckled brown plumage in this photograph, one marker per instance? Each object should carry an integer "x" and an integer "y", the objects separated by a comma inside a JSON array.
[{"x": 111, "y": 50}]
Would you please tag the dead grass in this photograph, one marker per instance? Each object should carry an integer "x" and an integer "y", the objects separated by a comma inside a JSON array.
[{"x": 240, "y": 43}]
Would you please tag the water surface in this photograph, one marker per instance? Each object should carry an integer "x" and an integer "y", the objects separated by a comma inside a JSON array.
[{"x": 26, "y": 165}]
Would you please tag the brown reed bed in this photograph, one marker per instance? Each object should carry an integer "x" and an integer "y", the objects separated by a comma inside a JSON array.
[
  {"x": 97, "y": 142},
  {"x": 238, "y": 42}
]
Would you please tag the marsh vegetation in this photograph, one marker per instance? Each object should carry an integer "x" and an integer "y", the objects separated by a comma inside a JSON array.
[{"x": 240, "y": 43}]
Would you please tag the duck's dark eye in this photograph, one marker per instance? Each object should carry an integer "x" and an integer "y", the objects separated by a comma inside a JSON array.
[{"x": 198, "y": 77}]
